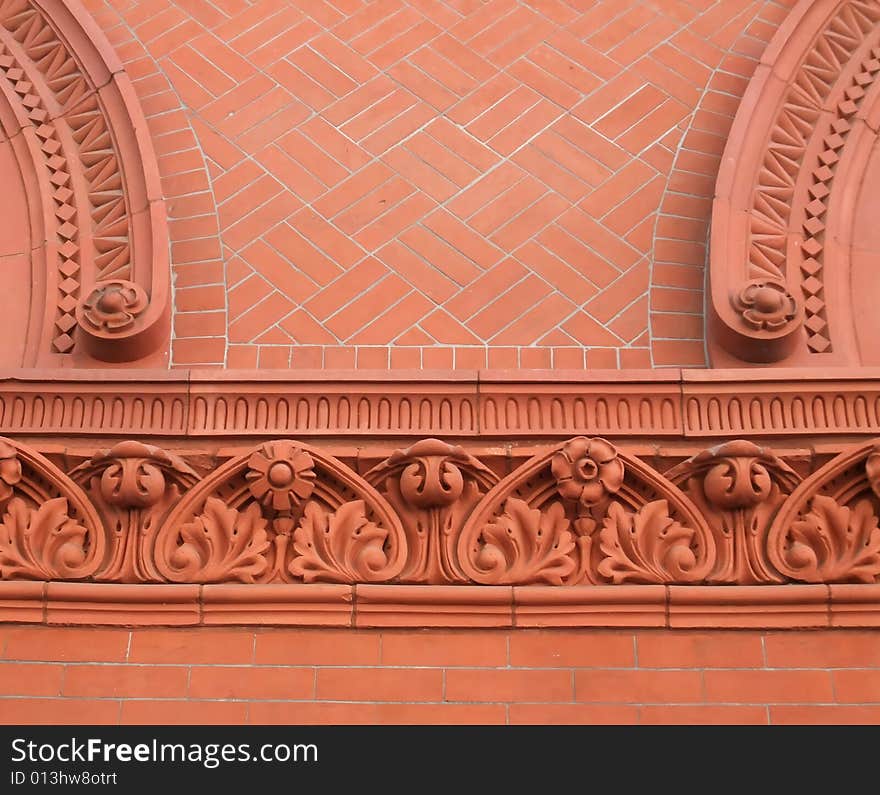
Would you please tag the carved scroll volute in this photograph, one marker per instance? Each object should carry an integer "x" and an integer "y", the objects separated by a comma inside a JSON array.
[
  {"x": 739, "y": 487},
  {"x": 434, "y": 487},
  {"x": 48, "y": 528},
  {"x": 116, "y": 322},
  {"x": 584, "y": 512},
  {"x": 760, "y": 322},
  {"x": 281, "y": 513},
  {"x": 827, "y": 531},
  {"x": 134, "y": 486}
]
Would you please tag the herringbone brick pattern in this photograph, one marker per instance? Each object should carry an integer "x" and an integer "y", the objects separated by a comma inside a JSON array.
[{"x": 417, "y": 183}]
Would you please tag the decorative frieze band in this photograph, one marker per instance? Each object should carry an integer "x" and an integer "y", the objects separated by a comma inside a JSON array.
[
  {"x": 583, "y": 512},
  {"x": 663, "y": 405}
]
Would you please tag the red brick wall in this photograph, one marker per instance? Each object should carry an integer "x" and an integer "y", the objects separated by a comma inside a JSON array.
[
  {"x": 439, "y": 183},
  {"x": 68, "y": 675}
]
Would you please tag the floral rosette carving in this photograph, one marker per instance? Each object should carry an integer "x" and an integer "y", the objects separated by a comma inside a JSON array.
[
  {"x": 434, "y": 487},
  {"x": 739, "y": 487},
  {"x": 281, "y": 513},
  {"x": 112, "y": 306},
  {"x": 587, "y": 471},
  {"x": 582, "y": 513},
  {"x": 133, "y": 485},
  {"x": 281, "y": 476},
  {"x": 765, "y": 305}
]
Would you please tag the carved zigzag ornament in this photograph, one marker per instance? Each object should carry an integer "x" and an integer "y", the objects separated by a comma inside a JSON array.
[
  {"x": 578, "y": 513},
  {"x": 103, "y": 273}
]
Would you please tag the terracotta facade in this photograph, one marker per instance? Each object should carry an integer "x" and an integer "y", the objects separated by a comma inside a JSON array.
[{"x": 496, "y": 361}]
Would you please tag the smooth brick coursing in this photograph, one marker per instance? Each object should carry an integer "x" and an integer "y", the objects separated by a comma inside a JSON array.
[
  {"x": 239, "y": 675},
  {"x": 561, "y": 156}
]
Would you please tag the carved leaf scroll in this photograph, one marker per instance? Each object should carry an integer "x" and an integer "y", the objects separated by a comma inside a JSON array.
[
  {"x": 833, "y": 543},
  {"x": 738, "y": 487},
  {"x": 523, "y": 546},
  {"x": 42, "y": 543},
  {"x": 221, "y": 544},
  {"x": 434, "y": 487},
  {"x": 342, "y": 546},
  {"x": 133, "y": 486},
  {"x": 648, "y": 546}
]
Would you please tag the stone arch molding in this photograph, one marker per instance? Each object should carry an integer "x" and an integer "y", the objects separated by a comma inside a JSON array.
[
  {"x": 795, "y": 244},
  {"x": 85, "y": 243}
]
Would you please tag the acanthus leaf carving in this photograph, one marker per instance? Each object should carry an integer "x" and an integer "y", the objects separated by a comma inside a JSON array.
[
  {"x": 600, "y": 488},
  {"x": 833, "y": 543},
  {"x": 827, "y": 530},
  {"x": 434, "y": 487},
  {"x": 42, "y": 543},
  {"x": 738, "y": 487},
  {"x": 523, "y": 546},
  {"x": 649, "y": 547},
  {"x": 134, "y": 486},
  {"x": 311, "y": 516},
  {"x": 48, "y": 527},
  {"x": 342, "y": 546},
  {"x": 221, "y": 544}
]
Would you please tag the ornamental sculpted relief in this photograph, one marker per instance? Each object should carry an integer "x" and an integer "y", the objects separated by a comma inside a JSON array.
[
  {"x": 582, "y": 512},
  {"x": 83, "y": 198},
  {"x": 794, "y": 257},
  {"x": 794, "y": 247}
]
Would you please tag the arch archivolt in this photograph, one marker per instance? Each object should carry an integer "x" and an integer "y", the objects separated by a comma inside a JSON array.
[
  {"x": 793, "y": 245},
  {"x": 85, "y": 249}
]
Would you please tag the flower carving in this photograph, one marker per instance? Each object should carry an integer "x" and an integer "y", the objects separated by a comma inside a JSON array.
[
  {"x": 10, "y": 470},
  {"x": 587, "y": 471},
  {"x": 765, "y": 305},
  {"x": 113, "y": 306},
  {"x": 281, "y": 475}
]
